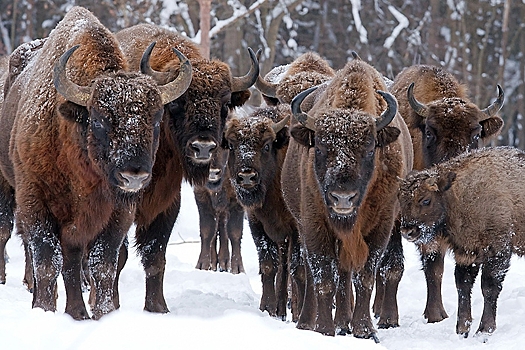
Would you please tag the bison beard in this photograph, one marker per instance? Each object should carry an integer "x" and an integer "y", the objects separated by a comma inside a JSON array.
[{"x": 252, "y": 197}]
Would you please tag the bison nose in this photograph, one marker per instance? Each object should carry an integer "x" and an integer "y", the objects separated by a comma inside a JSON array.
[
  {"x": 247, "y": 177},
  {"x": 215, "y": 174},
  {"x": 409, "y": 233},
  {"x": 131, "y": 181},
  {"x": 202, "y": 150},
  {"x": 342, "y": 202}
]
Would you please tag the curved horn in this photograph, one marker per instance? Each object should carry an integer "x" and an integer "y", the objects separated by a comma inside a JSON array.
[
  {"x": 420, "y": 108},
  {"x": 281, "y": 124},
  {"x": 175, "y": 88},
  {"x": 302, "y": 117},
  {"x": 71, "y": 91},
  {"x": 355, "y": 56},
  {"x": 496, "y": 105},
  {"x": 244, "y": 82},
  {"x": 390, "y": 112},
  {"x": 265, "y": 87}
]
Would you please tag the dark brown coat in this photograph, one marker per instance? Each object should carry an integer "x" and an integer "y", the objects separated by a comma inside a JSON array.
[
  {"x": 481, "y": 219},
  {"x": 258, "y": 144},
  {"x": 191, "y": 132},
  {"x": 220, "y": 216},
  {"x": 79, "y": 157},
  {"x": 340, "y": 180},
  {"x": 443, "y": 123}
]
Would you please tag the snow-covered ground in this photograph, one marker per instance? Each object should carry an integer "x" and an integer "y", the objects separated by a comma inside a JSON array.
[{"x": 214, "y": 310}]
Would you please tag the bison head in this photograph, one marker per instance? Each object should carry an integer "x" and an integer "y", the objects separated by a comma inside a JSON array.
[
  {"x": 422, "y": 204},
  {"x": 257, "y": 145},
  {"x": 218, "y": 169},
  {"x": 451, "y": 126},
  {"x": 118, "y": 119},
  {"x": 197, "y": 118},
  {"x": 346, "y": 143}
]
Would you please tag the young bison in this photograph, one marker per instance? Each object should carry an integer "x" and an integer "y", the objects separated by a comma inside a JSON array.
[{"x": 481, "y": 219}]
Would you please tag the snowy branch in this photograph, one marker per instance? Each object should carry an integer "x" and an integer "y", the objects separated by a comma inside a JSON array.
[
  {"x": 237, "y": 14},
  {"x": 403, "y": 23},
  {"x": 363, "y": 34}
]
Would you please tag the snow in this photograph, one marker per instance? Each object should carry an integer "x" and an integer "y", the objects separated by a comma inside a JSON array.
[{"x": 219, "y": 310}]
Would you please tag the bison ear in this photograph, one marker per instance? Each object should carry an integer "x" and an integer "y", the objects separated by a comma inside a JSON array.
[
  {"x": 303, "y": 135},
  {"x": 445, "y": 182},
  {"x": 387, "y": 135},
  {"x": 74, "y": 112},
  {"x": 491, "y": 126},
  {"x": 282, "y": 138},
  {"x": 239, "y": 98}
]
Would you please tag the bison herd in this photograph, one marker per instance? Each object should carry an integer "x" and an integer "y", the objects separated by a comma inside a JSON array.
[{"x": 98, "y": 130}]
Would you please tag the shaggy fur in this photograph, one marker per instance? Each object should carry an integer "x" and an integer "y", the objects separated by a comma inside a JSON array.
[
  {"x": 348, "y": 154},
  {"x": 453, "y": 126},
  {"x": 257, "y": 152},
  {"x": 198, "y": 116},
  {"x": 67, "y": 162},
  {"x": 482, "y": 220},
  {"x": 220, "y": 214}
]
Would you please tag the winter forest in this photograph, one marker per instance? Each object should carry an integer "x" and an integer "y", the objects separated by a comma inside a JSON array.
[{"x": 481, "y": 42}]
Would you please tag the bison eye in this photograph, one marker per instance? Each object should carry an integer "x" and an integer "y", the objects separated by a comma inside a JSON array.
[
  {"x": 476, "y": 137},
  {"x": 425, "y": 202},
  {"x": 267, "y": 147},
  {"x": 97, "y": 124}
]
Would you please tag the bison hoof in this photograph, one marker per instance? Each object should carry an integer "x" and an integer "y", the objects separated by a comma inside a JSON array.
[
  {"x": 387, "y": 324},
  {"x": 342, "y": 331},
  {"x": 372, "y": 336},
  {"x": 434, "y": 317}
]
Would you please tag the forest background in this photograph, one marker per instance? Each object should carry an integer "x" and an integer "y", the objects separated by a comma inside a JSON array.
[{"x": 482, "y": 42}]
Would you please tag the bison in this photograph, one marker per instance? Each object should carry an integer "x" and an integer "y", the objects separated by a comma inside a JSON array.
[
  {"x": 190, "y": 133},
  {"x": 220, "y": 214},
  {"x": 340, "y": 176},
  {"x": 481, "y": 220},
  {"x": 258, "y": 144},
  {"x": 79, "y": 135},
  {"x": 443, "y": 123}
]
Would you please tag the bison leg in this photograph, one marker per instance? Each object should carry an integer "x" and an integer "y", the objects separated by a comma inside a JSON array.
[
  {"x": 344, "y": 301},
  {"x": 152, "y": 241},
  {"x": 234, "y": 228},
  {"x": 223, "y": 258},
  {"x": 388, "y": 277},
  {"x": 71, "y": 271},
  {"x": 7, "y": 206},
  {"x": 465, "y": 277},
  {"x": 433, "y": 267},
  {"x": 298, "y": 274},
  {"x": 208, "y": 224},
  {"x": 267, "y": 253},
  {"x": 281, "y": 283},
  {"x": 324, "y": 269},
  {"x": 47, "y": 262},
  {"x": 122, "y": 259},
  {"x": 28, "y": 280},
  {"x": 308, "y": 314},
  {"x": 492, "y": 276}
]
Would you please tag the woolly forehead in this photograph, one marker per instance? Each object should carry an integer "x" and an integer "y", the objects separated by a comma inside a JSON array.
[
  {"x": 210, "y": 78},
  {"x": 344, "y": 129},
  {"x": 251, "y": 129},
  {"x": 452, "y": 111},
  {"x": 292, "y": 85},
  {"x": 415, "y": 180},
  {"x": 126, "y": 94}
]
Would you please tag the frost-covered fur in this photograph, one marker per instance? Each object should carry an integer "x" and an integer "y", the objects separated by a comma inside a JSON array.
[
  {"x": 256, "y": 156},
  {"x": 67, "y": 162},
  {"x": 475, "y": 202},
  {"x": 453, "y": 126},
  {"x": 346, "y": 153},
  {"x": 196, "y": 118}
]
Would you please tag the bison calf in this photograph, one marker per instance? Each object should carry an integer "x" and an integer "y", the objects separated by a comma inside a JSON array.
[{"x": 481, "y": 219}]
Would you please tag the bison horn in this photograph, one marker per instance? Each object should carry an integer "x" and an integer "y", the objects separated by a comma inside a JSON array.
[
  {"x": 496, "y": 105},
  {"x": 175, "y": 88},
  {"x": 281, "y": 124},
  {"x": 71, "y": 91},
  {"x": 390, "y": 112},
  {"x": 244, "y": 82},
  {"x": 303, "y": 118},
  {"x": 355, "y": 56},
  {"x": 265, "y": 87},
  {"x": 420, "y": 108}
]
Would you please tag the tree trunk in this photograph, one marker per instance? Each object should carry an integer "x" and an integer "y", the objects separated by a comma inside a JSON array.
[{"x": 205, "y": 23}]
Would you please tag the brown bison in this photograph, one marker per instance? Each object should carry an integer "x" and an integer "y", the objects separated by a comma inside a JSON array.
[
  {"x": 11, "y": 67},
  {"x": 341, "y": 177},
  {"x": 190, "y": 133},
  {"x": 220, "y": 216},
  {"x": 443, "y": 123},
  {"x": 258, "y": 144},
  {"x": 283, "y": 83},
  {"x": 480, "y": 219},
  {"x": 78, "y": 146}
]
